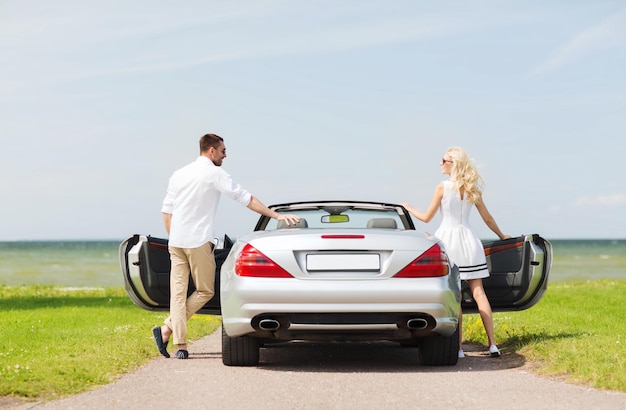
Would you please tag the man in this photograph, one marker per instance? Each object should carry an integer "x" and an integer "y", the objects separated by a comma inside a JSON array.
[{"x": 189, "y": 210}]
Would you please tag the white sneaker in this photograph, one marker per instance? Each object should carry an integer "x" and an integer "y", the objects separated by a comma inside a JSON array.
[
  {"x": 461, "y": 354},
  {"x": 493, "y": 351}
]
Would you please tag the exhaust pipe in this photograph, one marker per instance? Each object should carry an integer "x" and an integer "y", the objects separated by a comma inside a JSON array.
[
  {"x": 269, "y": 324},
  {"x": 416, "y": 323}
]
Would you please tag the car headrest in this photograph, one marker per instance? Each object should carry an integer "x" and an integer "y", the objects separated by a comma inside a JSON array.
[
  {"x": 385, "y": 223},
  {"x": 301, "y": 224}
]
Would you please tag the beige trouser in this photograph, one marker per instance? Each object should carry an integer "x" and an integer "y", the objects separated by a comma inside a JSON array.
[{"x": 201, "y": 263}]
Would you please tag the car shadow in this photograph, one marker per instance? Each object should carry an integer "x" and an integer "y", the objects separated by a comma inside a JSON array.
[{"x": 384, "y": 357}]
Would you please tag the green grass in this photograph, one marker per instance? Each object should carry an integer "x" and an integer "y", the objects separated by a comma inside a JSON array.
[
  {"x": 57, "y": 342},
  {"x": 576, "y": 332}
]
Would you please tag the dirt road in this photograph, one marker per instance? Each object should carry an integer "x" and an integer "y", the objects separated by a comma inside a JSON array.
[{"x": 335, "y": 376}]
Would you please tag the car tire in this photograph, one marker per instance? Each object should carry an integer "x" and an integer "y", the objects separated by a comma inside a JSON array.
[
  {"x": 440, "y": 350},
  {"x": 239, "y": 351}
]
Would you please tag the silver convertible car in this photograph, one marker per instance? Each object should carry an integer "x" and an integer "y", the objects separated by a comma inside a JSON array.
[{"x": 348, "y": 271}]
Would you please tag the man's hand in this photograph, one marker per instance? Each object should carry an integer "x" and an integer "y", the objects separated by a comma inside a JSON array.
[
  {"x": 167, "y": 221},
  {"x": 257, "y": 206},
  {"x": 289, "y": 219}
]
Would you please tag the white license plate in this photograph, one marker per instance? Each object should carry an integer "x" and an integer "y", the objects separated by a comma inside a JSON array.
[{"x": 343, "y": 262}]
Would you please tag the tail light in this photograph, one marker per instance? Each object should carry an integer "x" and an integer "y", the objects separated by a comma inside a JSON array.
[
  {"x": 432, "y": 263},
  {"x": 253, "y": 263}
]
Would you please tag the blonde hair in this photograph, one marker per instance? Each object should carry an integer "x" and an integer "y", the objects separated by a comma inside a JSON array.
[{"x": 465, "y": 174}]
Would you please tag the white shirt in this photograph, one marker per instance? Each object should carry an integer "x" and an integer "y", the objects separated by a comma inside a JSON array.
[{"x": 193, "y": 194}]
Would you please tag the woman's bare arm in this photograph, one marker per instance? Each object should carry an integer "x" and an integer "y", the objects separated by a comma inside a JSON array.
[{"x": 432, "y": 208}]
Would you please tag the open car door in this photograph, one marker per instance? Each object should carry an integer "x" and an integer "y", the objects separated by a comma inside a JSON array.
[
  {"x": 519, "y": 269},
  {"x": 145, "y": 263}
]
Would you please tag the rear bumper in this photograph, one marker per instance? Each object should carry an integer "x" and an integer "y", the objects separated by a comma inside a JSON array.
[{"x": 389, "y": 309}]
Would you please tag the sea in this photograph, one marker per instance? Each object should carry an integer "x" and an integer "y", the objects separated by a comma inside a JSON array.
[{"x": 96, "y": 263}]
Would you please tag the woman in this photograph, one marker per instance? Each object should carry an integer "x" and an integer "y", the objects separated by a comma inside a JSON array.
[{"x": 455, "y": 198}]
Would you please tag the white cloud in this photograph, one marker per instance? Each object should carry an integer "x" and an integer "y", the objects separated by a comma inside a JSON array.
[
  {"x": 610, "y": 33},
  {"x": 602, "y": 200}
]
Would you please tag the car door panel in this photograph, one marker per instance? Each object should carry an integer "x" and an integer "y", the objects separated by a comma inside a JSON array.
[
  {"x": 146, "y": 268},
  {"x": 519, "y": 269}
]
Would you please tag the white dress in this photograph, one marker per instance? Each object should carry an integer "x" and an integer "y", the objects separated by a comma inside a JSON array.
[{"x": 464, "y": 248}]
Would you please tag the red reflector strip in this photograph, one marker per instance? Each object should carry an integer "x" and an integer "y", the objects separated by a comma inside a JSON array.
[
  {"x": 158, "y": 245},
  {"x": 500, "y": 248},
  {"x": 343, "y": 236}
]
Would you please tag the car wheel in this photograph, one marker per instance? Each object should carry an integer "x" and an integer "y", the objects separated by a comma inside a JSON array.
[
  {"x": 239, "y": 351},
  {"x": 440, "y": 350}
]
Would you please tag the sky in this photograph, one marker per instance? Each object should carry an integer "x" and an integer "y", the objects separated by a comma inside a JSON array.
[{"x": 101, "y": 101}]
